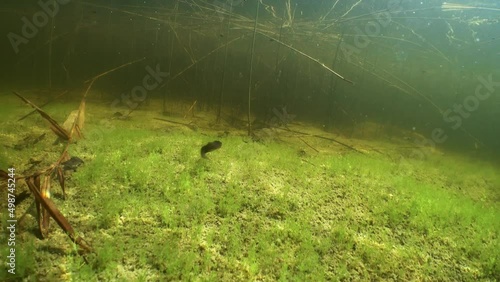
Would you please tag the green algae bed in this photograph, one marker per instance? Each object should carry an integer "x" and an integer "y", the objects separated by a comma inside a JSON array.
[{"x": 255, "y": 210}]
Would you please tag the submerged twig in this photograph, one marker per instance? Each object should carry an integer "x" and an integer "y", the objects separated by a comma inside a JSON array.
[
  {"x": 309, "y": 145},
  {"x": 190, "y": 109},
  {"x": 113, "y": 69},
  {"x": 51, "y": 208},
  {"x": 251, "y": 69},
  {"x": 43, "y": 105},
  {"x": 328, "y": 13},
  {"x": 199, "y": 60},
  {"x": 352, "y": 7},
  {"x": 54, "y": 126},
  {"x": 223, "y": 78},
  {"x": 188, "y": 125},
  {"x": 322, "y": 137},
  {"x": 308, "y": 56}
]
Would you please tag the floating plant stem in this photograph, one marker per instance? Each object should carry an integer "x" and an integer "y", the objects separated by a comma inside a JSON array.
[
  {"x": 221, "y": 95},
  {"x": 114, "y": 69},
  {"x": 170, "y": 58},
  {"x": 199, "y": 60},
  {"x": 309, "y": 57},
  {"x": 446, "y": 6},
  {"x": 251, "y": 68},
  {"x": 352, "y": 7},
  {"x": 52, "y": 19},
  {"x": 331, "y": 10}
]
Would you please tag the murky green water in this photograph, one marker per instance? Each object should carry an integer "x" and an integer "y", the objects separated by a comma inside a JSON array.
[{"x": 351, "y": 132}]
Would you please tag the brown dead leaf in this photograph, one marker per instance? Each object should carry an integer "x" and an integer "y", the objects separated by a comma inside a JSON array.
[
  {"x": 47, "y": 204},
  {"x": 70, "y": 121},
  {"x": 81, "y": 116},
  {"x": 44, "y": 217}
]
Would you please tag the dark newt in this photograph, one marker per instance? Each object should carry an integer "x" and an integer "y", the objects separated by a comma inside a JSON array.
[
  {"x": 211, "y": 146},
  {"x": 72, "y": 164}
]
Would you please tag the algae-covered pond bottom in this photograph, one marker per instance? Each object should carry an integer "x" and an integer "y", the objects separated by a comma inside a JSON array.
[{"x": 280, "y": 207}]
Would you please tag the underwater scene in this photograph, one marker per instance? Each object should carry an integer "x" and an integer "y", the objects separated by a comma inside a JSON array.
[{"x": 250, "y": 140}]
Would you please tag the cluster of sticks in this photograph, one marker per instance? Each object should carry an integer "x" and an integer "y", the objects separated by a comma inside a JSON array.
[
  {"x": 39, "y": 182},
  {"x": 204, "y": 18}
]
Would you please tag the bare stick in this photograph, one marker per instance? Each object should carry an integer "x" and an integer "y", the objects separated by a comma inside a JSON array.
[
  {"x": 322, "y": 137},
  {"x": 188, "y": 125},
  {"x": 309, "y": 145},
  {"x": 309, "y": 57},
  {"x": 221, "y": 95},
  {"x": 57, "y": 216},
  {"x": 423, "y": 39},
  {"x": 331, "y": 10},
  {"x": 199, "y": 60},
  {"x": 459, "y": 7},
  {"x": 45, "y": 104},
  {"x": 54, "y": 126},
  {"x": 114, "y": 69},
  {"x": 190, "y": 109},
  {"x": 50, "y": 48},
  {"x": 251, "y": 68},
  {"x": 170, "y": 58},
  {"x": 353, "y": 6},
  {"x": 91, "y": 82},
  {"x": 289, "y": 14}
]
